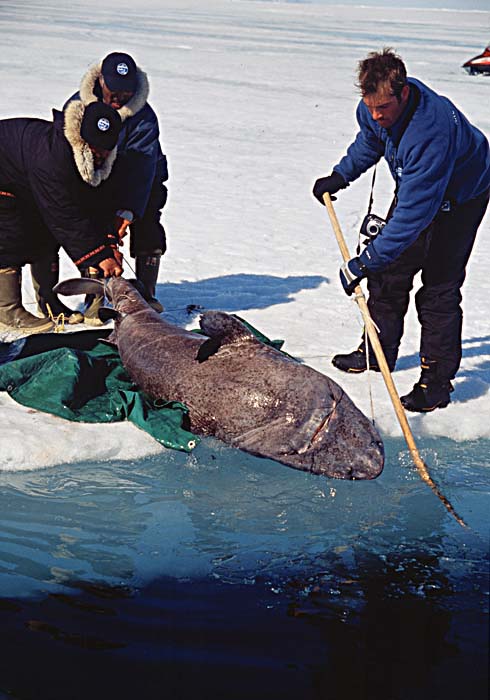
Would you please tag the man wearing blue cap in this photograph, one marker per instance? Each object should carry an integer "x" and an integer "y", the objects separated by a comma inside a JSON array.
[
  {"x": 51, "y": 177},
  {"x": 140, "y": 169}
]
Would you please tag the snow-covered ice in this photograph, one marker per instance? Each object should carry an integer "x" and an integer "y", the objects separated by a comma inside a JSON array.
[{"x": 255, "y": 100}]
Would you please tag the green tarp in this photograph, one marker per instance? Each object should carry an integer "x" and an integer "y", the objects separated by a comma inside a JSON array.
[
  {"x": 87, "y": 383},
  {"x": 80, "y": 377}
]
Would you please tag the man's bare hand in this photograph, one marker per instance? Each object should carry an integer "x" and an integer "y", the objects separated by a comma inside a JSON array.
[
  {"x": 118, "y": 257},
  {"x": 110, "y": 268}
]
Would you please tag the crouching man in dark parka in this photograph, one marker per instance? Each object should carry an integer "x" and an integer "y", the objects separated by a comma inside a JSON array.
[
  {"x": 50, "y": 195},
  {"x": 441, "y": 167}
]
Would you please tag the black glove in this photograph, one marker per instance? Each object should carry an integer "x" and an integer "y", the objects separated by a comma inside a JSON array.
[
  {"x": 351, "y": 273},
  {"x": 331, "y": 184}
]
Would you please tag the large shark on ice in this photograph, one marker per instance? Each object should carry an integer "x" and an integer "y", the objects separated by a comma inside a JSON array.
[{"x": 240, "y": 390}]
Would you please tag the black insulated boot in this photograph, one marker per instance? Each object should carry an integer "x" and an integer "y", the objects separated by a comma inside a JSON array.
[
  {"x": 430, "y": 392},
  {"x": 12, "y": 313},
  {"x": 45, "y": 275},
  {"x": 147, "y": 267},
  {"x": 356, "y": 362},
  {"x": 93, "y": 302}
]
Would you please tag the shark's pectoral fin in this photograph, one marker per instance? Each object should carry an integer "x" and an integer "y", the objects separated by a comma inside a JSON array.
[
  {"x": 208, "y": 348},
  {"x": 110, "y": 340}
]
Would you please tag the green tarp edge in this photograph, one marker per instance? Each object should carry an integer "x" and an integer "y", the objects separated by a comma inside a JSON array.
[{"x": 79, "y": 377}]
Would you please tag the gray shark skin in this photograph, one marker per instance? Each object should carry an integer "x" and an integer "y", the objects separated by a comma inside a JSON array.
[{"x": 243, "y": 392}]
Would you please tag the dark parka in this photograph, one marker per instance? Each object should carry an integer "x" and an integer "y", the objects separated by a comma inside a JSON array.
[
  {"x": 58, "y": 198},
  {"x": 140, "y": 161}
]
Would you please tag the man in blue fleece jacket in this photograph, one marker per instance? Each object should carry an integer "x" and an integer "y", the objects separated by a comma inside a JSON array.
[{"x": 441, "y": 167}]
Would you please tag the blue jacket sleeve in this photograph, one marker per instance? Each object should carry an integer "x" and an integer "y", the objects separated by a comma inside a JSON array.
[
  {"x": 425, "y": 167},
  {"x": 138, "y": 162},
  {"x": 365, "y": 151}
]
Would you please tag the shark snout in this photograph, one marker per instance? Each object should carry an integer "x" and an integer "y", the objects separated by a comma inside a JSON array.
[
  {"x": 350, "y": 461},
  {"x": 368, "y": 464}
]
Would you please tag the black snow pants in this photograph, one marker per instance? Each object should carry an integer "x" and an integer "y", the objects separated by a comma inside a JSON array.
[{"x": 440, "y": 253}]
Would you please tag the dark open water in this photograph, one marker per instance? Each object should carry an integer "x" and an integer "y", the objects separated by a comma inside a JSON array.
[{"x": 219, "y": 575}]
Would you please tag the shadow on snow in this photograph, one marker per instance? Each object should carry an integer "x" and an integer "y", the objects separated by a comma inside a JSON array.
[{"x": 233, "y": 293}]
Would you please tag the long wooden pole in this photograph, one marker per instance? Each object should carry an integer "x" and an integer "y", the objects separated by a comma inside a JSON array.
[{"x": 385, "y": 370}]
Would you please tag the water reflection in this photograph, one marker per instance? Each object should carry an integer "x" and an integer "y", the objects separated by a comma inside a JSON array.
[
  {"x": 235, "y": 577},
  {"x": 379, "y": 628}
]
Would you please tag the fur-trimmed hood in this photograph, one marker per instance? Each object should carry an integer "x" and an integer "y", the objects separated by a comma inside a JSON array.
[
  {"x": 91, "y": 79},
  {"x": 140, "y": 159},
  {"x": 84, "y": 159}
]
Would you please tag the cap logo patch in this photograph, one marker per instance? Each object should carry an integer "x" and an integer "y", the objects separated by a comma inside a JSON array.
[
  {"x": 103, "y": 124},
  {"x": 122, "y": 68}
]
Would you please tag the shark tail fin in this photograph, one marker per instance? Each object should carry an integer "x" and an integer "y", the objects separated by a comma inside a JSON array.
[{"x": 79, "y": 285}]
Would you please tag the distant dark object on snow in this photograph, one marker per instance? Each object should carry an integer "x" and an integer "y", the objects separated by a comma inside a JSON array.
[{"x": 479, "y": 65}]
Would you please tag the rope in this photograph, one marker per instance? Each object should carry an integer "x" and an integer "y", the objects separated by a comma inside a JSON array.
[
  {"x": 368, "y": 376},
  {"x": 127, "y": 263},
  {"x": 370, "y": 388},
  {"x": 59, "y": 320}
]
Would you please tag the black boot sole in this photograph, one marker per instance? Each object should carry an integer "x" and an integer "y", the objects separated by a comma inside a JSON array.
[
  {"x": 355, "y": 370},
  {"x": 428, "y": 409}
]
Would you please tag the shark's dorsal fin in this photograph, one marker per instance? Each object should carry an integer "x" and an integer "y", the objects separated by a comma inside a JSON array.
[
  {"x": 222, "y": 330},
  {"x": 218, "y": 324}
]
